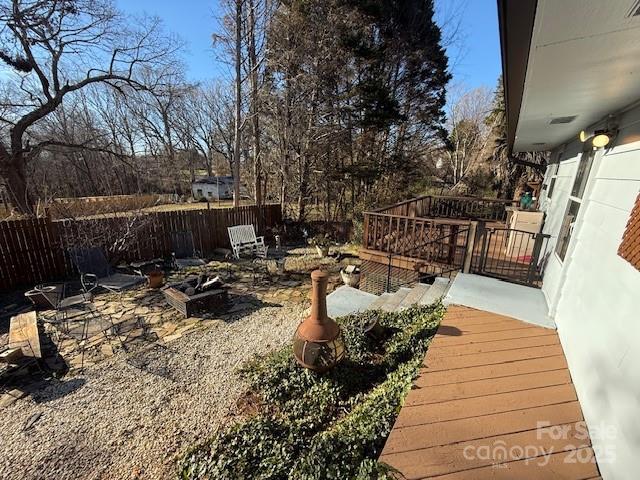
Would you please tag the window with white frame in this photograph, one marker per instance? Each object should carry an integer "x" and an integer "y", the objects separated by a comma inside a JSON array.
[
  {"x": 552, "y": 179},
  {"x": 575, "y": 201}
]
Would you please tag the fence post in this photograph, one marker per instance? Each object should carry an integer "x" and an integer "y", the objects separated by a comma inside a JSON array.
[
  {"x": 535, "y": 255},
  {"x": 453, "y": 242},
  {"x": 471, "y": 241},
  {"x": 365, "y": 231},
  {"x": 389, "y": 267}
]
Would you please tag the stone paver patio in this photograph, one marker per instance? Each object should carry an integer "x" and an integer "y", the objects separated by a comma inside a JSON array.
[{"x": 142, "y": 317}]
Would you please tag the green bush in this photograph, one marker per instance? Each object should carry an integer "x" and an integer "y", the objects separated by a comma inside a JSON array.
[{"x": 330, "y": 426}]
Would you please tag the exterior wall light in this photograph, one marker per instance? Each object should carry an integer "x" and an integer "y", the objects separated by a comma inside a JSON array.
[
  {"x": 584, "y": 136},
  {"x": 598, "y": 138},
  {"x": 601, "y": 138}
]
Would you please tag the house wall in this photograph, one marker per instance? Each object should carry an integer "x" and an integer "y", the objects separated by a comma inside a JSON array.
[
  {"x": 210, "y": 191},
  {"x": 594, "y": 296}
]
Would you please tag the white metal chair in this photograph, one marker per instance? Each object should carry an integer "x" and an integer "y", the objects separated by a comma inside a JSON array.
[{"x": 243, "y": 240}]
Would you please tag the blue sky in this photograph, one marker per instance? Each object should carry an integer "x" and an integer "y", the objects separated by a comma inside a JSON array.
[{"x": 475, "y": 57}]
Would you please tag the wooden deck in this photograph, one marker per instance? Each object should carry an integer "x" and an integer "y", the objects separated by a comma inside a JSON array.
[{"x": 494, "y": 400}]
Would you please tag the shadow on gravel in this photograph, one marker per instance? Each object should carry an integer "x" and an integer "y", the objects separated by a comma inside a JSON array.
[
  {"x": 53, "y": 389},
  {"x": 242, "y": 305}
]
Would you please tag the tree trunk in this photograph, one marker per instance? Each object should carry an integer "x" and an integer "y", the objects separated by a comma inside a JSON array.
[
  {"x": 286, "y": 157},
  {"x": 237, "y": 125},
  {"x": 303, "y": 189},
  {"x": 16, "y": 183},
  {"x": 253, "y": 76},
  {"x": 209, "y": 162}
]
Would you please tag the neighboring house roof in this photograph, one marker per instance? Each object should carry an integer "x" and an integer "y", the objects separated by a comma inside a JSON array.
[
  {"x": 214, "y": 180},
  {"x": 567, "y": 65}
]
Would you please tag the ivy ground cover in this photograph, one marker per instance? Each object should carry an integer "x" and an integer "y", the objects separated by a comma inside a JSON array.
[{"x": 307, "y": 426}]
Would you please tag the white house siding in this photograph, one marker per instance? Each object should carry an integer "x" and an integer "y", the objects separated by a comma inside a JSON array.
[
  {"x": 210, "y": 191},
  {"x": 595, "y": 296}
]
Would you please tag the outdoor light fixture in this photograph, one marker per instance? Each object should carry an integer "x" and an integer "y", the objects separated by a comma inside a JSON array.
[
  {"x": 599, "y": 138},
  {"x": 602, "y": 137},
  {"x": 584, "y": 136},
  {"x": 317, "y": 343}
]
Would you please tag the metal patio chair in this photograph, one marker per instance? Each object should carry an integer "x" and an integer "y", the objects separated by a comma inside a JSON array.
[
  {"x": 95, "y": 271},
  {"x": 183, "y": 250}
]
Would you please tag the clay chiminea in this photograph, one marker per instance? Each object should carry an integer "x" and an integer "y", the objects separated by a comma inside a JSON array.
[{"x": 317, "y": 343}]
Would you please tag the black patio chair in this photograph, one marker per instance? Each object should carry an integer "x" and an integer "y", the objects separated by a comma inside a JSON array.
[
  {"x": 95, "y": 271},
  {"x": 183, "y": 250}
]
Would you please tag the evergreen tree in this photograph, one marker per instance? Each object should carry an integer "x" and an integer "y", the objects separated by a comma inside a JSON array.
[{"x": 508, "y": 173}]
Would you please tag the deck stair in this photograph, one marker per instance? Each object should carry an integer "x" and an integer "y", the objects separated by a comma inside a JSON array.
[
  {"x": 377, "y": 304},
  {"x": 438, "y": 290},
  {"x": 393, "y": 301},
  {"x": 346, "y": 300},
  {"x": 414, "y": 296}
]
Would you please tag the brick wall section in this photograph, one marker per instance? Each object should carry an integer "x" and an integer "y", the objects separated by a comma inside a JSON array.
[{"x": 630, "y": 246}]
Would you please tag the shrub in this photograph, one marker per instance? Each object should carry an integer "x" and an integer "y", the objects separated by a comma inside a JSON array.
[{"x": 331, "y": 426}]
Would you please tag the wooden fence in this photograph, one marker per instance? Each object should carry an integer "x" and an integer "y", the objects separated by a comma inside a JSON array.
[
  {"x": 34, "y": 250},
  {"x": 60, "y": 208}
]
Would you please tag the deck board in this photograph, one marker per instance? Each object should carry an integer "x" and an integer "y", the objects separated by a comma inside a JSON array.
[
  {"x": 496, "y": 346},
  {"x": 488, "y": 381}
]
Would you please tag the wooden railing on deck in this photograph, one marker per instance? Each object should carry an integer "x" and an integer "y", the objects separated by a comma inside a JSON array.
[
  {"x": 489, "y": 209},
  {"x": 441, "y": 241}
]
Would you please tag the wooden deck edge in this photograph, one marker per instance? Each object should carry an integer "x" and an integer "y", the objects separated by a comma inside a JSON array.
[{"x": 501, "y": 398}]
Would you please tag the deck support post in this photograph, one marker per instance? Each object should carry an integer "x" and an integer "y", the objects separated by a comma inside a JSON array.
[{"x": 471, "y": 240}]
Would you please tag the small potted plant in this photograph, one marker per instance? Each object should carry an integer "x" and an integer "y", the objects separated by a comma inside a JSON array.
[
  {"x": 155, "y": 278},
  {"x": 350, "y": 276},
  {"x": 322, "y": 242}
]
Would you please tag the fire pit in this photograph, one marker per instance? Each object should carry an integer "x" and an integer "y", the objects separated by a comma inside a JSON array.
[{"x": 196, "y": 294}]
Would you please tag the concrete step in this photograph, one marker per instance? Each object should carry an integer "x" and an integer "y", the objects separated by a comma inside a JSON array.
[
  {"x": 381, "y": 300},
  {"x": 393, "y": 302},
  {"x": 436, "y": 291},
  {"x": 346, "y": 300},
  {"x": 414, "y": 296}
]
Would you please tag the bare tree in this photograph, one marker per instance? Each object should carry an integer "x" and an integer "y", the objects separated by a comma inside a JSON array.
[
  {"x": 54, "y": 48},
  {"x": 238, "y": 120},
  {"x": 469, "y": 133},
  {"x": 208, "y": 121}
]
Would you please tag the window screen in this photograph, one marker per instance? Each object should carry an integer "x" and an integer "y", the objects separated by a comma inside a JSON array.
[
  {"x": 582, "y": 175},
  {"x": 567, "y": 228},
  {"x": 552, "y": 181}
]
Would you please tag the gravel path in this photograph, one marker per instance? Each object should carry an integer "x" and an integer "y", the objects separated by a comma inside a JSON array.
[{"x": 131, "y": 416}]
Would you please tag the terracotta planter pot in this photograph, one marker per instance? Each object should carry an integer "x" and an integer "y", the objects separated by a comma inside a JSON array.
[
  {"x": 156, "y": 279},
  {"x": 322, "y": 251}
]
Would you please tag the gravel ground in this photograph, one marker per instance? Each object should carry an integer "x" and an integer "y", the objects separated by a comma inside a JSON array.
[{"x": 132, "y": 415}]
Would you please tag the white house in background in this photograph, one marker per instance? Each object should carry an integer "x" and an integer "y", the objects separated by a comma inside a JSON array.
[
  {"x": 572, "y": 66},
  {"x": 213, "y": 188}
]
